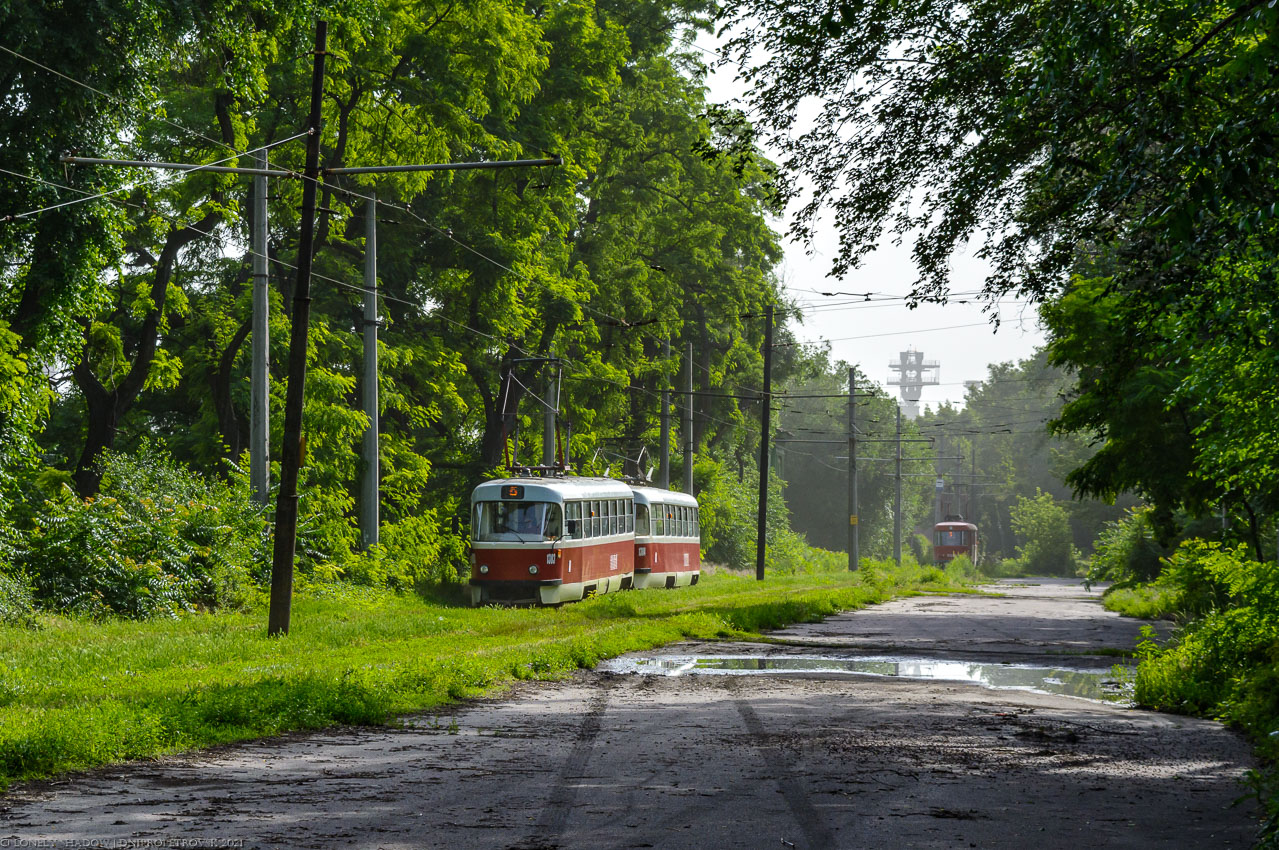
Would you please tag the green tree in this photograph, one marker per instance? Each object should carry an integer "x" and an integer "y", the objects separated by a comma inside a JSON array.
[{"x": 1044, "y": 545}]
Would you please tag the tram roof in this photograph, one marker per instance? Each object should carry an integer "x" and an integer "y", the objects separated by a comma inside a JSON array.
[
  {"x": 656, "y": 495},
  {"x": 955, "y": 524},
  {"x": 553, "y": 489}
]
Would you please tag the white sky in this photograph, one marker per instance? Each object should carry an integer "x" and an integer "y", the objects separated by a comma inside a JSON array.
[{"x": 964, "y": 348}]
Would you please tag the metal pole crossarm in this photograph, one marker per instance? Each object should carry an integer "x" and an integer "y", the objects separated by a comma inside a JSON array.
[
  {"x": 446, "y": 166},
  {"x": 843, "y": 442},
  {"x": 179, "y": 166}
]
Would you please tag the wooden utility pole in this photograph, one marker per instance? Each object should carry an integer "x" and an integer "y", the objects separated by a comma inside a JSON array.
[
  {"x": 286, "y": 508},
  {"x": 766, "y": 401}
]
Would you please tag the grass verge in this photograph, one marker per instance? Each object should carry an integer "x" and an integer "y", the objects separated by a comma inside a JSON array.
[{"x": 76, "y": 694}]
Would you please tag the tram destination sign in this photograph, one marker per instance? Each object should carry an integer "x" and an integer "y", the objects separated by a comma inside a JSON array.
[{"x": 513, "y": 491}]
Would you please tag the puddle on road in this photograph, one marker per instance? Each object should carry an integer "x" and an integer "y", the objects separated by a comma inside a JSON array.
[{"x": 1098, "y": 685}]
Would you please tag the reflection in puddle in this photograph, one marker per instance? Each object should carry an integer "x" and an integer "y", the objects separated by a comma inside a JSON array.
[{"x": 1103, "y": 686}]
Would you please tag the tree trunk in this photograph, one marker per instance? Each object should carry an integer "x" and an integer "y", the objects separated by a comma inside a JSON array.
[{"x": 234, "y": 427}]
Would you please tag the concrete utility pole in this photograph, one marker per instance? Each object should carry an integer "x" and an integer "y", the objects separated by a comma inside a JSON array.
[
  {"x": 688, "y": 423},
  {"x": 286, "y": 507},
  {"x": 854, "y": 556},
  {"x": 940, "y": 484},
  {"x": 897, "y": 499},
  {"x": 259, "y": 388},
  {"x": 664, "y": 452},
  {"x": 971, "y": 516},
  {"x": 766, "y": 400},
  {"x": 370, "y": 497},
  {"x": 550, "y": 408}
]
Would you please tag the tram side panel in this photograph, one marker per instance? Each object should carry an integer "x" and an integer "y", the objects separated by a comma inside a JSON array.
[{"x": 668, "y": 550}]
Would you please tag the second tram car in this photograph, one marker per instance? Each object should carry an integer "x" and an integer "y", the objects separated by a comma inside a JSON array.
[
  {"x": 550, "y": 540},
  {"x": 954, "y": 537},
  {"x": 668, "y": 549}
]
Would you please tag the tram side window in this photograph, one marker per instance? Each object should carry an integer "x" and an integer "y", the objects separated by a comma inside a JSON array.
[
  {"x": 554, "y": 523},
  {"x": 595, "y": 518},
  {"x": 572, "y": 520},
  {"x": 610, "y": 511},
  {"x": 679, "y": 521},
  {"x": 630, "y": 516},
  {"x": 697, "y": 522},
  {"x": 659, "y": 520},
  {"x": 687, "y": 522},
  {"x": 641, "y": 520}
]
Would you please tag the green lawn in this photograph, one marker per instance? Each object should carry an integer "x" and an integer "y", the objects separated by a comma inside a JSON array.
[{"x": 76, "y": 694}]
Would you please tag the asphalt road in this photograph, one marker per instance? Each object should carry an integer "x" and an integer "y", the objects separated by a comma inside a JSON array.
[{"x": 818, "y": 759}]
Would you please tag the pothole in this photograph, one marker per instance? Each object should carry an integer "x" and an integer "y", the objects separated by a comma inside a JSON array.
[{"x": 1100, "y": 686}]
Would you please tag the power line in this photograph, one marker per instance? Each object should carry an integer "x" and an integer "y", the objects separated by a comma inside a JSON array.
[{"x": 131, "y": 187}]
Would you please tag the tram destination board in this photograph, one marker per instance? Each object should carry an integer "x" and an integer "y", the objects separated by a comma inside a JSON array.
[{"x": 513, "y": 491}]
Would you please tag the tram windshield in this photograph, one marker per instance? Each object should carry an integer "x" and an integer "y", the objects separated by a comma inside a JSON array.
[
  {"x": 951, "y": 537},
  {"x": 518, "y": 521}
]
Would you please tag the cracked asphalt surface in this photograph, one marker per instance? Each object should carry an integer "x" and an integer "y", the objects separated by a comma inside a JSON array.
[{"x": 813, "y": 760}]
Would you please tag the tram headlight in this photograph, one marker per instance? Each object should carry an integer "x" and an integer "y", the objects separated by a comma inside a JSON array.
[
  {"x": 484, "y": 568},
  {"x": 532, "y": 569}
]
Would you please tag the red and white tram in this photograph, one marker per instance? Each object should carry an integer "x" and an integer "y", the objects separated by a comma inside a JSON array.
[
  {"x": 668, "y": 550},
  {"x": 550, "y": 540},
  {"x": 954, "y": 537}
]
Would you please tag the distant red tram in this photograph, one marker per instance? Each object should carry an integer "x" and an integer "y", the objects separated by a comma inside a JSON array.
[{"x": 954, "y": 537}]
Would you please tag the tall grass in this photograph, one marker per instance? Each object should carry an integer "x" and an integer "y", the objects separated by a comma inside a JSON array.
[{"x": 76, "y": 693}]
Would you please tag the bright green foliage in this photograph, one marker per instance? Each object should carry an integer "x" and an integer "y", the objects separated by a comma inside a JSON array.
[
  {"x": 1042, "y": 527},
  {"x": 1127, "y": 550},
  {"x": 1225, "y": 661},
  {"x": 1153, "y": 601},
  {"x": 1222, "y": 663},
  {"x": 157, "y": 541},
  {"x": 17, "y": 605}
]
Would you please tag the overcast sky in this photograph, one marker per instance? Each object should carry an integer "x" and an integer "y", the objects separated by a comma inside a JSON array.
[{"x": 871, "y": 336}]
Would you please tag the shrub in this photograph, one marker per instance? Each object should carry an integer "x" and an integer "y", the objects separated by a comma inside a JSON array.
[
  {"x": 1127, "y": 550},
  {"x": 921, "y": 547},
  {"x": 17, "y": 605},
  {"x": 412, "y": 553},
  {"x": 1043, "y": 527},
  {"x": 157, "y": 540}
]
